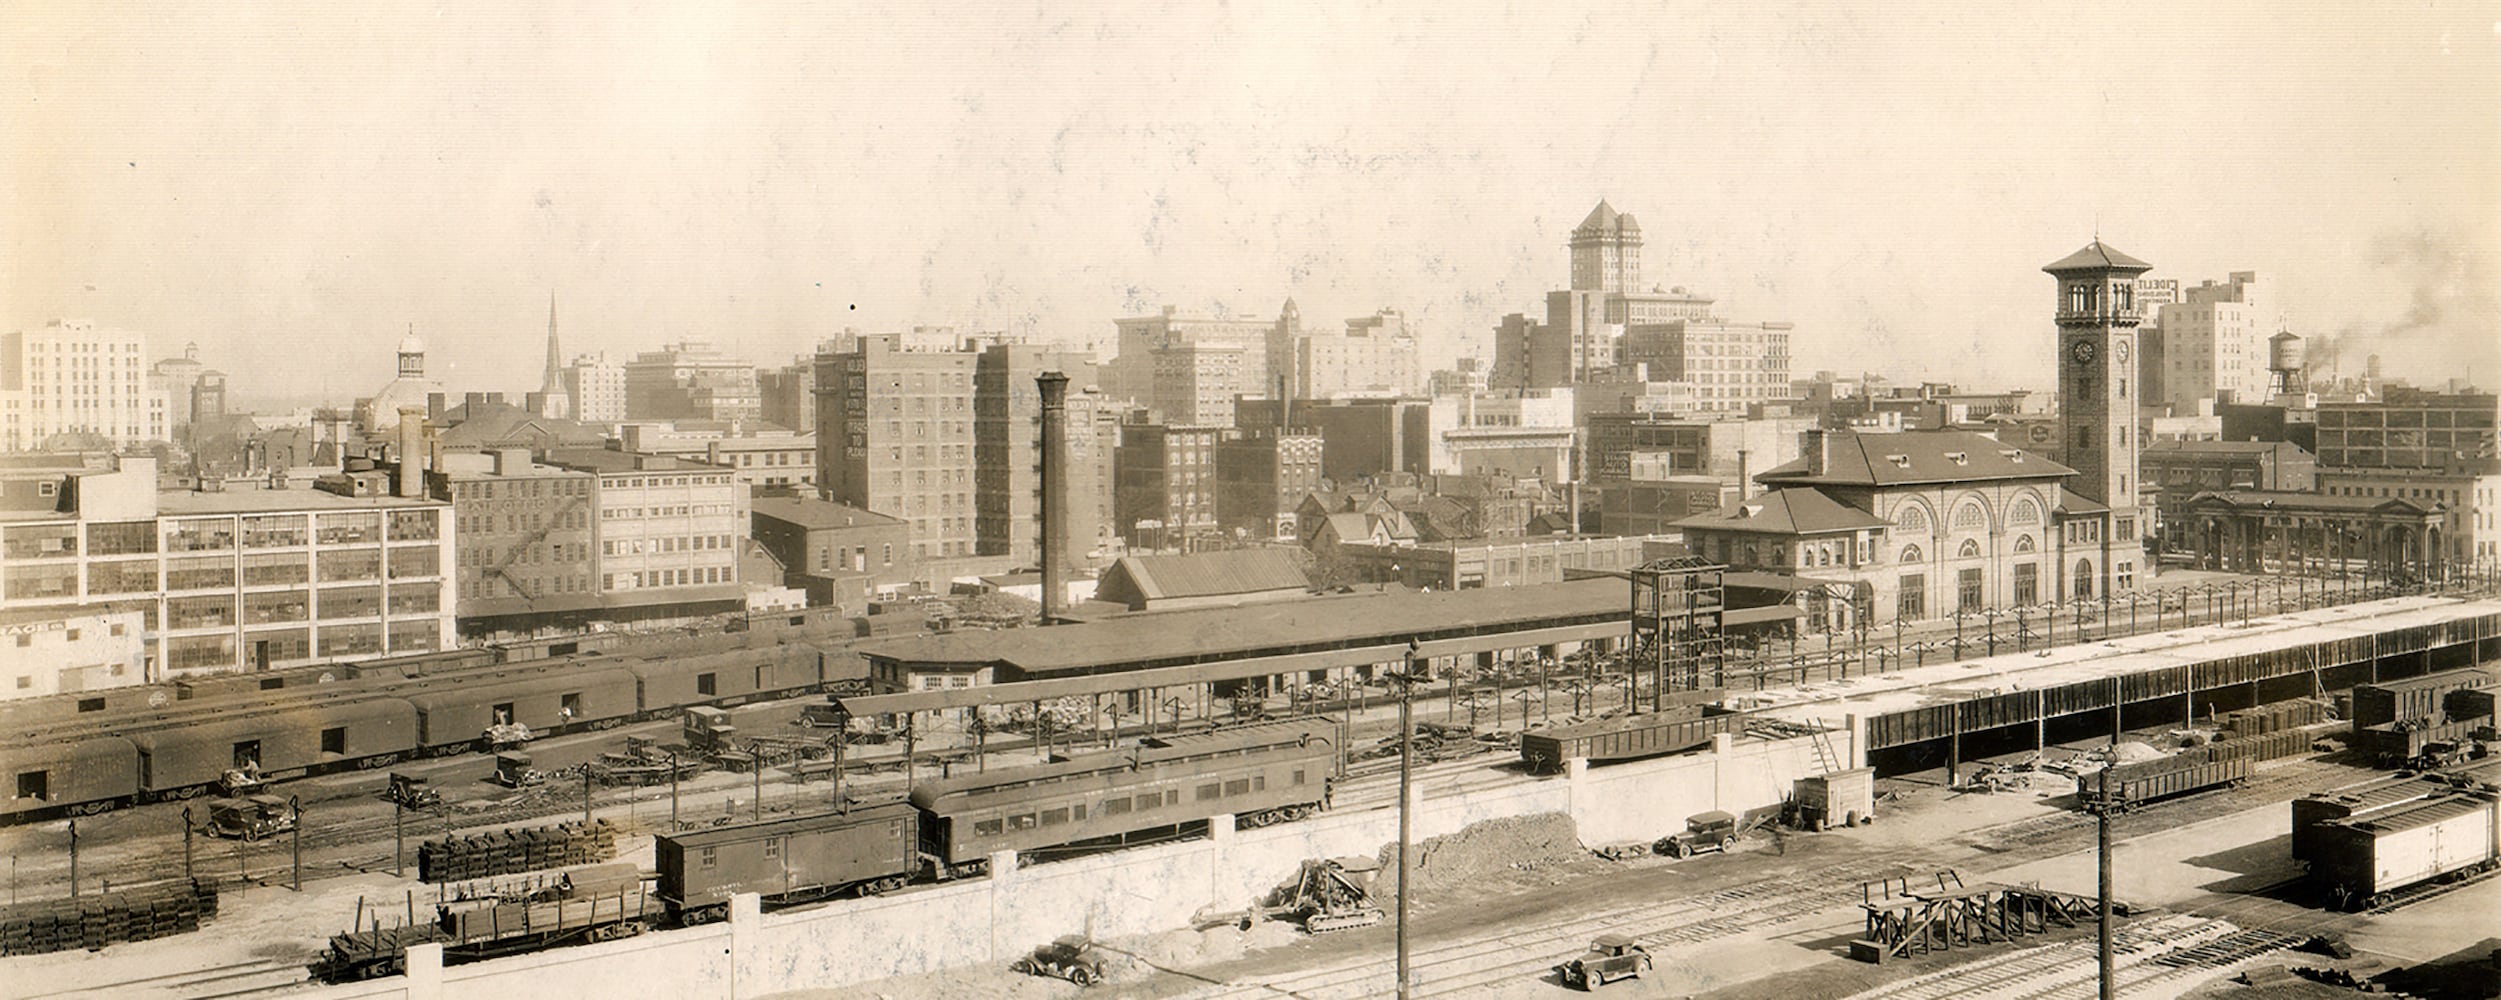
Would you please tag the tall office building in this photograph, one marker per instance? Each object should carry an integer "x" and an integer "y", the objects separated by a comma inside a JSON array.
[
  {"x": 1007, "y": 437},
  {"x": 1589, "y": 328},
  {"x": 73, "y": 377},
  {"x": 1374, "y": 356},
  {"x": 1189, "y": 368},
  {"x": 596, "y": 387},
  {"x": 895, "y": 435},
  {"x": 691, "y": 380},
  {"x": 2214, "y": 341}
]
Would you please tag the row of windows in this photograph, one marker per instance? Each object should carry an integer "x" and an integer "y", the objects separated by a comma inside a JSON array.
[{"x": 1213, "y": 791}]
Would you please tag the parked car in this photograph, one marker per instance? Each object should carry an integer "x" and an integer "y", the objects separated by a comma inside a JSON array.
[
  {"x": 1610, "y": 957},
  {"x": 1072, "y": 958},
  {"x": 250, "y": 818},
  {"x": 1709, "y": 831}
]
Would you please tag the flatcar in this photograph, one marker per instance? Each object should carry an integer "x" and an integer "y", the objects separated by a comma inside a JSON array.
[
  {"x": 1627, "y": 737},
  {"x": 2131, "y": 786},
  {"x": 2363, "y": 860},
  {"x": 592, "y": 904},
  {"x": 794, "y": 860}
]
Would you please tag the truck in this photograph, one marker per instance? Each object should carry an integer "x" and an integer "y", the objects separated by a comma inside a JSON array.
[
  {"x": 250, "y": 817},
  {"x": 1610, "y": 957},
  {"x": 409, "y": 791},
  {"x": 1715, "y": 830},
  {"x": 1071, "y": 957}
]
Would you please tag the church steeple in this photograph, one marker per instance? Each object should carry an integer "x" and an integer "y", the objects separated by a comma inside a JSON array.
[{"x": 554, "y": 401}]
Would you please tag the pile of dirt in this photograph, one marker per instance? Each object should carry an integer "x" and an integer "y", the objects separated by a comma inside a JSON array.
[
  {"x": 2133, "y": 752},
  {"x": 1482, "y": 850},
  {"x": 1270, "y": 934}
]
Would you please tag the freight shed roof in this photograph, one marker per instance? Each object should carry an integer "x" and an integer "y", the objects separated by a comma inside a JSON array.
[
  {"x": 1211, "y": 635},
  {"x": 1943, "y": 683}
]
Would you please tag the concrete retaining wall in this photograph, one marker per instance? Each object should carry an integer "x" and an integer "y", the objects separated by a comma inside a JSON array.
[{"x": 1137, "y": 891}]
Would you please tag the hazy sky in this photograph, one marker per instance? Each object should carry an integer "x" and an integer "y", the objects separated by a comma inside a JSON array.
[{"x": 292, "y": 186}]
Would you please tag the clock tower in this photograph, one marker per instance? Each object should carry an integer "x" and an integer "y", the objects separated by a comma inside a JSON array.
[{"x": 2098, "y": 393}]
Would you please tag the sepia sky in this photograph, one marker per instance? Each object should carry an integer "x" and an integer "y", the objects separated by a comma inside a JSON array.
[{"x": 293, "y": 185}]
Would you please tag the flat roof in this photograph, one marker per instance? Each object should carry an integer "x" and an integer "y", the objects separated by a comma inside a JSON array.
[
  {"x": 273, "y": 501},
  {"x": 1904, "y": 690},
  {"x": 1201, "y": 635},
  {"x": 812, "y": 513}
]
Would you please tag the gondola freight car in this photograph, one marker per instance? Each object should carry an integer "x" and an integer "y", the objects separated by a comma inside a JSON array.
[
  {"x": 2131, "y": 786},
  {"x": 1259, "y": 774},
  {"x": 2365, "y": 859},
  {"x": 1627, "y": 737},
  {"x": 873, "y": 849}
]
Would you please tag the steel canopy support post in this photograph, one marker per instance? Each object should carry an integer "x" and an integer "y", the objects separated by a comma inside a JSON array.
[
  {"x": 186, "y": 844},
  {"x": 1406, "y": 786},
  {"x": 2101, "y": 811},
  {"x": 295, "y": 810}
]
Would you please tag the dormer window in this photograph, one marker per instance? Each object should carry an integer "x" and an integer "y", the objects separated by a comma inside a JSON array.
[
  {"x": 1899, "y": 461},
  {"x": 2012, "y": 454},
  {"x": 1958, "y": 458}
]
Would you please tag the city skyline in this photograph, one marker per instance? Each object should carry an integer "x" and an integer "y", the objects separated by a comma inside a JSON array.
[{"x": 762, "y": 182}]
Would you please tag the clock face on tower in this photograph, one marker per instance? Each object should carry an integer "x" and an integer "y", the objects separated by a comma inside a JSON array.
[
  {"x": 2119, "y": 351},
  {"x": 2082, "y": 351}
]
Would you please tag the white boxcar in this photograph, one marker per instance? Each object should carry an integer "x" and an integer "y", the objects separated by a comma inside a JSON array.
[{"x": 2365, "y": 858}]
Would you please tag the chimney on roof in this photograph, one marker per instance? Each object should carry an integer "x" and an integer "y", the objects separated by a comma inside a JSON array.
[
  {"x": 1745, "y": 473},
  {"x": 1818, "y": 449},
  {"x": 412, "y": 475},
  {"x": 1054, "y": 388}
]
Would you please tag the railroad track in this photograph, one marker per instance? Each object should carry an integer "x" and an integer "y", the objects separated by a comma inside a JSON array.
[
  {"x": 212, "y": 983},
  {"x": 1458, "y": 967}
]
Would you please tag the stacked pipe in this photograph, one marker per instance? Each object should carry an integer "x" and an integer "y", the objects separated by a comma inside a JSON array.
[
  {"x": 503, "y": 852},
  {"x": 91, "y": 922}
]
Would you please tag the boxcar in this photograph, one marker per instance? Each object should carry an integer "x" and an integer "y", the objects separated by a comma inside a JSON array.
[
  {"x": 1627, "y": 737},
  {"x": 724, "y": 678},
  {"x": 456, "y": 717},
  {"x": 1259, "y": 774},
  {"x": 2362, "y": 799},
  {"x": 2401, "y": 743},
  {"x": 875, "y": 849},
  {"x": 2364, "y": 859},
  {"x": 68, "y": 778},
  {"x": 322, "y": 735},
  {"x": 2414, "y": 697},
  {"x": 2133, "y": 785}
]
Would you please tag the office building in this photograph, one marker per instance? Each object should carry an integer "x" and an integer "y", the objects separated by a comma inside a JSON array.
[
  {"x": 595, "y": 388},
  {"x": 1164, "y": 485},
  {"x": 691, "y": 380},
  {"x": 1375, "y": 356},
  {"x": 1189, "y": 368},
  {"x": 895, "y": 435},
  {"x": 72, "y": 378},
  {"x": 1007, "y": 452},
  {"x": 1261, "y": 477},
  {"x": 2214, "y": 341},
  {"x": 2409, "y": 428}
]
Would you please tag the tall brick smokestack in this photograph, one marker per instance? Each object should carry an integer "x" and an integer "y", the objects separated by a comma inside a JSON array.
[{"x": 1053, "y": 547}]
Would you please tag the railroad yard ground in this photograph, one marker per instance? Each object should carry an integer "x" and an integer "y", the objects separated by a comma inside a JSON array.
[{"x": 1764, "y": 923}]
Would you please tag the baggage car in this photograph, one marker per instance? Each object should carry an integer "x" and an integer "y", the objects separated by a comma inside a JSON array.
[{"x": 803, "y": 858}]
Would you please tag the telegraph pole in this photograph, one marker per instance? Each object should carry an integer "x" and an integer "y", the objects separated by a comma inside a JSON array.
[
  {"x": 1406, "y": 785},
  {"x": 2101, "y": 814}
]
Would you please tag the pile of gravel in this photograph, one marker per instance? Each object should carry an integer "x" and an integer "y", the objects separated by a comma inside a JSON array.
[{"x": 1482, "y": 850}]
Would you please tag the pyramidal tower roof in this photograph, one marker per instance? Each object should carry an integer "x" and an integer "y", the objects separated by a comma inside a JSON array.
[
  {"x": 1605, "y": 219},
  {"x": 2097, "y": 256}
]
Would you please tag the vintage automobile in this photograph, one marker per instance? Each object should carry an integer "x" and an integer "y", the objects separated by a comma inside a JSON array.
[
  {"x": 1708, "y": 831},
  {"x": 249, "y": 818},
  {"x": 1072, "y": 958},
  {"x": 409, "y": 791},
  {"x": 1610, "y": 957}
]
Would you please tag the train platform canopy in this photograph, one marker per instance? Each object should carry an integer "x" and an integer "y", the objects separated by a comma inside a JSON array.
[
  {"x": 1868, "y": 696},
  {"x": 1213, "y": 635}
]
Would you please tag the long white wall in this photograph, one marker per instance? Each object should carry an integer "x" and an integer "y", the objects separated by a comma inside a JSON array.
[{"x": 1137, "y": 891}]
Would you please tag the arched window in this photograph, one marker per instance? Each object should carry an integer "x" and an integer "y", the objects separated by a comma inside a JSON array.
[
  {"x": 1911, "y": 554},
  {"x": 1913, "y": 519},
  {"x": 2026, "y": 513},
  {"x": 2023, "y": 544},
  {"x": 2083, "y": 588},
  {"x": 1970, "y": 550},
  {"x": 1969, "y": 517},
  {"x": 1780, "y": 554}
]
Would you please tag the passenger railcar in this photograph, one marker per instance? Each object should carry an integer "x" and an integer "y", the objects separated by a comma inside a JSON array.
[
  {"x": 1259, "y": 774},
  {"x": 802, "y": 858},
  {"x": 2364, "y": 859}
]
